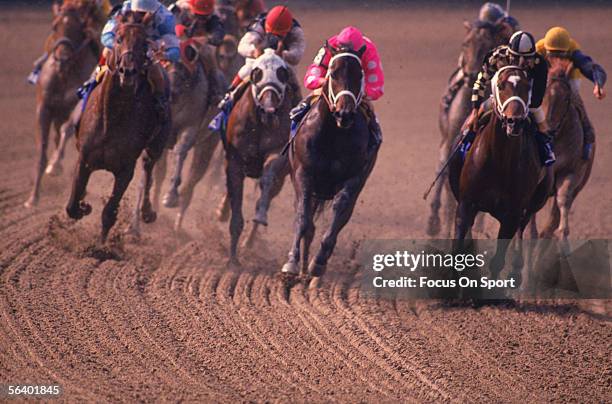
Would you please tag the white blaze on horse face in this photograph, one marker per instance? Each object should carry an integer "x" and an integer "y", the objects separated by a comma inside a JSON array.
[{"x": 514, "y": 80}]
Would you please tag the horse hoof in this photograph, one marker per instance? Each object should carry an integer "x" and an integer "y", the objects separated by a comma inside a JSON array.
[
  {"x": 132, "y": 230},
  {"x": 54, "y": 170},
  {"x": 518, "y": 278},
  {"x": 171, "y": 199},
  {"x": 315, "y": 269},
  {"x": 290, "y": 268},
  {"x": 261, "y": 219},
  {"x": 149, "y": 216},
  {"x": 233, "y": 263},
  {"x": 85, "y": 208},
  {"x": 433, "y": 226},
  {"x": 31, "y": 202}
]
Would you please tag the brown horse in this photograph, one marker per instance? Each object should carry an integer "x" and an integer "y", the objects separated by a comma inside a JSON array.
[
  {"x": 258, "y": 128},
  {"x": 570, "y": 170},
  {"x": 119, "y": 122},
  {"x": 502, "y": 173},
  {"x": 478, "y": 42},
  {"x": 73, "y": 54},
  {"x": 331, "y": 158}
]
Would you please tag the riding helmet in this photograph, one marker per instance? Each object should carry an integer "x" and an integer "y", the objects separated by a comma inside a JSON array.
[
  {"x": 522, "y": 44},
  {"x": 351, "y": 36},
  {"x": 145, "y": 6},
  {"x": 557, "y": 39},
  {"x": 279, "y": 21},
  {"x": 492, "y": 13},
  {"x": 202, "y": 7}
]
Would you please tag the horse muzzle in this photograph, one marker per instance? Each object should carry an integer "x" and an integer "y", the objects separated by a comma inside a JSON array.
[
  {"x": 127, "y": 76},
  {"x": 344, "y": 119},
  {"x": 513, "y": 125}
]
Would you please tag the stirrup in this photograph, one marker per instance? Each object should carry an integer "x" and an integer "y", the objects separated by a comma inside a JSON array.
[
  {"x": 217, "y": 124},
  {"x": 33, "y": 77}
]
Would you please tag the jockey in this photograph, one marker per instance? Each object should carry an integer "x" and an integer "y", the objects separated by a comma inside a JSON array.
[
  {"x": 162, "y": 33},
  {"x": 493, "y": 18},
  {"x": 558, "y": 43},
  {"x": 521, "y": 52},
  {"x": 276, "y": 29},
  {"x": 102, "y": 9},
  {"x": 197, "y": 19},
  {"x": 316, "y": 76}
]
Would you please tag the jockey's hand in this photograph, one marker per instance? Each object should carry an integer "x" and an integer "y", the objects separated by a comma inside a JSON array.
[
  {"x": 471, "y": 122},
  {"x": 599, "y": 92}
]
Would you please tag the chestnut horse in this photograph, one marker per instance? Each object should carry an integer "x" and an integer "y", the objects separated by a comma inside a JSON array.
[
  {"x": 570, "y": 170},
  {"x": 258, "y": 128},
  {"x": 119, "y": 122},
  {"x": 478, "y": 42},
  {"x": 502, "y": 173},
  {"x": 73, "y": 54},
  {"x": 331, "y": 158}
]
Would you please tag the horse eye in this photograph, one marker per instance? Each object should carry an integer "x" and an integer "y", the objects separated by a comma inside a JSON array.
[
  {"x": 256, "y": 75},
  {"x": 282, "y": 74}
]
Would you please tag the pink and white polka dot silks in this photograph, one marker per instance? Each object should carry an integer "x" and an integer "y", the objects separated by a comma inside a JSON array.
[{"x": 370, "y": 61}]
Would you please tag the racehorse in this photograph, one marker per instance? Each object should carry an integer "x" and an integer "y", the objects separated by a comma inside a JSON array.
[
  {"x": 502, "y": 173},
  {"x": 73, "y": 54},
  {"x": 477, "y": 43},
  {"x": 258, "y": 128},
  {"x": 331, "y": 158},
  {"x": 189, "y": 103},
  {"x": 120, "y": 121},
  {"x": 570, "y": 170}
]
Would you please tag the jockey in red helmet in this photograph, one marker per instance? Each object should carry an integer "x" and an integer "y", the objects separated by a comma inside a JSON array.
[
  {"x": 374, "y": 76},
  {"x": 276, "y": 29}
]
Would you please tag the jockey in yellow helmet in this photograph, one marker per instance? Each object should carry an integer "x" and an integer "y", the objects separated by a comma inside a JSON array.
[{"x": 558, "y": 43}]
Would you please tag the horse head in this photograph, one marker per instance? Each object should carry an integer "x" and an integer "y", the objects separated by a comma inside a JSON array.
[
  {"x": 345, "y": 84},
  {"x": 226, "y": 52},
  {"x": 246, "y": 11},
  {"x": 478, "y": 41},
  {"x": 131, "y": 46},
  {"x": 558, "y": 98},
  {"x": 69, "y": 33},
  {"x": 269, "y": 79},
  {"x": 511, "y": 89}
]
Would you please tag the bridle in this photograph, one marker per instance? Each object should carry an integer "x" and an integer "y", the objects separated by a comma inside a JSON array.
[
  {"x": 331, "y": 97},
  {"x": 500, "y": 107},
  {"x": 259, "y": 92},
  {"x": 68, "y": 42}
]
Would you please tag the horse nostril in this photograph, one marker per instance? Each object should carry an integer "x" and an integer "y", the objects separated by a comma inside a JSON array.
[{"x": 121, "y": 70}]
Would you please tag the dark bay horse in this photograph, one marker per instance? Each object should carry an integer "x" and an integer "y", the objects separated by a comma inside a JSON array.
[
  {"x": 477, "y": 43},
  {"x": 331, "y": 158},
  {"x": 120, "y": 121},
  {"x": 571, "y": 172},
  {"x": 258, "y": 128},
  {"x": 73, "y": 54},
  {"x": 502, "y": 173}
]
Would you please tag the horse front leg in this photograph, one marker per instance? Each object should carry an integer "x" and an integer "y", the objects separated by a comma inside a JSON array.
[
  {"x": 433, "y": 223},
  {"x": 343, "y": 206},
  {"x": 202, "y": 155},
  {"x": 76, "y": 207},
  {"x": 109, "y": 213},
  {"x": 159, "y": 173},
  {"x": 464, "y": 220},
  {"x": 66, "y": 132},
  {"x": 180, "y": 150},
  {"x": 235, "y": 187},
  {"x": 42, "y": 143},
  {"x": 303, "y": 221},
  {"x": 508, "y": 228}
]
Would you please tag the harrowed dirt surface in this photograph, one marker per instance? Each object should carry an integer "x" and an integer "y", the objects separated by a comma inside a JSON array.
[{"x": 163, "y": 318}]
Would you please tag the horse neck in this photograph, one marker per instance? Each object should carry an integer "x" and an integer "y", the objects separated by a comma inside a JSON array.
[{"x": 507, "y": 152}]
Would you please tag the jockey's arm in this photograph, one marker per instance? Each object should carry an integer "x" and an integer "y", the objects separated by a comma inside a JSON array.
[
  {"x": 249, "y": 44},
  {"x": 296, "y": 47},
  {"x": 167, "y": 33},
  {"x": 540, "y": 77},
  {"x": 589, "y": 69},
  {"x": 485, "y": 75},
  {"x": 374, "y": 75},
  {"x": 315, "y": 74},
  {"x": 108, "y": 33}
]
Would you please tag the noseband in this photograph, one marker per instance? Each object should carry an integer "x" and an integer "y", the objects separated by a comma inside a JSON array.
[
  {"x": 258, "y": 93},
  {"x": 333, "y": 97}
]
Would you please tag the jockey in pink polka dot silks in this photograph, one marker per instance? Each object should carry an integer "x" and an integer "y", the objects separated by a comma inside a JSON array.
[{"x": 374, "y": 78}]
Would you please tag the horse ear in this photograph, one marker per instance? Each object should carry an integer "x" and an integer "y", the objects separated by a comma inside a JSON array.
[
  {"x": 256, "y": 75},
  {"x": 361, "y": 51},
  {"x": 467, "y": 25}
]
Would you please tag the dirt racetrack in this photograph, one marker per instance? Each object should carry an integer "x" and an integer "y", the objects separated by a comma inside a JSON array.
[{"x": 162, "y": 317}]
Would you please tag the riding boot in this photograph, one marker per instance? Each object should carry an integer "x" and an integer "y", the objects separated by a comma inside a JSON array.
[
  {"x": 299, "y": 112},
  {"x": 587, "y": 128},
  {"x": 219, "y": 122},
  {"x": 373, "y": 125},
  {"x": 38, "y": 64},
  {"x": 545, "y": 148}
]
